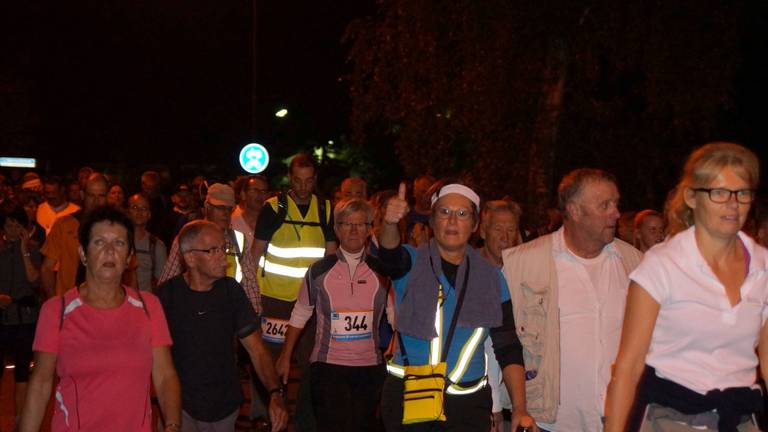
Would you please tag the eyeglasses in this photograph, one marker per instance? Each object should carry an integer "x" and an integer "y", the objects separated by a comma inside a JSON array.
[
  {"x": 215, "y": 250},
  {"x": 722, "y": 195},
  {"x": 139, "y": 209},
  {"x": 446, "y": 213},
  {"x": 349, "y": 225}
]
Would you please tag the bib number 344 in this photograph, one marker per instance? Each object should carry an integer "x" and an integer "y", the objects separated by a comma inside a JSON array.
[{"x": 351, "y": 325}]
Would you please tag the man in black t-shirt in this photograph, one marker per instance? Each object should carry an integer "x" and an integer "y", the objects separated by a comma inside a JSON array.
[{"x": 205, "y": 310}]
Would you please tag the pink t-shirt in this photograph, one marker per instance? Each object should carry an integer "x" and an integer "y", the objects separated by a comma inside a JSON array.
[{"x": 104, "y": 361}]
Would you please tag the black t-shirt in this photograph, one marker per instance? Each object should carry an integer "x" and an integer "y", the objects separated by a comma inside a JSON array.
[
  {"x": 203, "y": 326},
  {"x": 265, "y": 225}
]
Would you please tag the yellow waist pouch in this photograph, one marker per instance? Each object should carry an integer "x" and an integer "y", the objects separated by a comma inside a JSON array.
[{"x": 424, "y": 389}]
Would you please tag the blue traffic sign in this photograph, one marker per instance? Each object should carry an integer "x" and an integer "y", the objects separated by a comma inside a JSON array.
[{"x": 254, "y": 158}]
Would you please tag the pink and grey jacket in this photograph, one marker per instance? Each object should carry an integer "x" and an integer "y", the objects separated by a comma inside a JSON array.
[{"x": 349, "y": 310}]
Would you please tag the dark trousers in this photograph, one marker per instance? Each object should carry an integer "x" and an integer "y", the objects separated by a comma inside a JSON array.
[
  {"x": 465, "y": 413},
  {"x": 303, "y": 418},
  {"x": 18, "y": 340},
  {"x": 345, "y": 398}
]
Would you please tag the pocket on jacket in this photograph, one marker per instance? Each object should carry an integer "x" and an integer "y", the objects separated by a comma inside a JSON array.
[{"x": 532, "y": 321}]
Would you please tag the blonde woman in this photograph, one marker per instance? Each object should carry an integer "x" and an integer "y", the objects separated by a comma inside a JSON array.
[{"x": 696, "y": 308}]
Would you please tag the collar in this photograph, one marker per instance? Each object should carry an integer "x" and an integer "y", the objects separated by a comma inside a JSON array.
[
  {"x": 756, "y": 263},
  {"x": 560, "y": 249}
]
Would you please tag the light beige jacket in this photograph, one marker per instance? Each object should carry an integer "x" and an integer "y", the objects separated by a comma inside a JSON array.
[{"x": 532, "y": 278}]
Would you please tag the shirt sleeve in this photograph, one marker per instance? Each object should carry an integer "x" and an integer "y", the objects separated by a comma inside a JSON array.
[
  {"x": 506, "y": 344},
  {"x": 246, "y": 321},
  {"x": 302, "y": 310},
  {"x": 328, "y": 233},
  {"x": 250, "y": 283},
  {"x": 161, "y": 336},
  {"x": 265, "y": 224},
  {"x": 160, "y": 258},
  {"x": 174, "y": 265},
  {"x": 396, "y": 262},
  {"x": 47, "y": 332},
  {"x": 651, "y": 276}
]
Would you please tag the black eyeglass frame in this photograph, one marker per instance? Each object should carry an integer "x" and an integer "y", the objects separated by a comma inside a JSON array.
[{"x": 731, "y": 193}]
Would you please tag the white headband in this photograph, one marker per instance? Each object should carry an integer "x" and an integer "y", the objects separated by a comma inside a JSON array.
[{"x": 457, "y": 189}]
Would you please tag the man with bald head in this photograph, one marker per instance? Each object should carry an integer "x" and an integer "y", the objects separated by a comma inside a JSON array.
[
  {"x": 60, "y": 266},
  {"x": 205, "y": 311}
]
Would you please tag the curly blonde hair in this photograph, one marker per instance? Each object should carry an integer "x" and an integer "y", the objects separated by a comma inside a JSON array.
[{"x": 701, "y": 168}]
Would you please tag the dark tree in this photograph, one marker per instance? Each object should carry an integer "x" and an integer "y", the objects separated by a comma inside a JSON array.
[{"x": 515, "y": 93}]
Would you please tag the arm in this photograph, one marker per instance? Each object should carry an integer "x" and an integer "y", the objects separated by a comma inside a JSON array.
[
  {"x": 762, "y": 351},
  {"x": 29, "y": 266},
  {"x": 262, "y": 364},
  {"x": 167, "y": 387},
  {"x": 257, "y": 250},
  {"x": 397, "y": 208},
  {"x": 509, "y": 352},
  {"x": 639, "y": 322},
  {"x": 283, "y": 364},
  {"x": 38, "y": 392},
  {"x": 302, "y": 312},
  {"x": 48, "y": 277}
]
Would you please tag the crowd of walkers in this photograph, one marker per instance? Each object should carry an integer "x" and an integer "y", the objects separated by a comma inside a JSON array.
[{"x": 421, "y": 308}]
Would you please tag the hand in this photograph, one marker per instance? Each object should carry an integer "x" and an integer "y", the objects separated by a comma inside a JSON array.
[
  {"x": 5, "y": 301},
  {"x": 497, "y": 422},
  {"x": 397, "y": 207},
  {"x": 283, "y": 367},
  {"x": 277, "y": 412},
  {"x": 518, "y": 414},
  {"x": 24, "y": 237}
]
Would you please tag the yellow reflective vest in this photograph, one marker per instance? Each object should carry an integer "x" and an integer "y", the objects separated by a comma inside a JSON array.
[{"x": 294, "y": 246}]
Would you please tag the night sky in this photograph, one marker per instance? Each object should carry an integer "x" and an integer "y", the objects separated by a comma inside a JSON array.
[
  {"x": 127, "y": 84},
  {"x": 169, "y": 82}
]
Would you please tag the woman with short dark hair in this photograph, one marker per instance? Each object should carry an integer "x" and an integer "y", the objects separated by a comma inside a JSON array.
[{"x": 104, "y": 341}]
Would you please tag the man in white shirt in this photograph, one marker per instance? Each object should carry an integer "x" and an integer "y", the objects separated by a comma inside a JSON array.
[
  {"x": 55, "y": 204},
  {"x": 568, "y": 290}
]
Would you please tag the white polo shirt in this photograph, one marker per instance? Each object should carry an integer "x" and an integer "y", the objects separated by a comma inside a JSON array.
[
  {"x": 592, "y": 295},
  {"x": 700, "y": 341}
]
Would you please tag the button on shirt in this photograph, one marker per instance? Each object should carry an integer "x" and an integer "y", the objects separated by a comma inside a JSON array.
[
  {"x": 700, "y": 341},
  {"x": 592, "y": 295}
]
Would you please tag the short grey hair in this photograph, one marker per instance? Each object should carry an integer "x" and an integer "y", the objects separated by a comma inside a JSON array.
[
  {"x": 572, "y": 184},
  {"x": 191, "y": 231},
  {"x": 346, "y": 207}
]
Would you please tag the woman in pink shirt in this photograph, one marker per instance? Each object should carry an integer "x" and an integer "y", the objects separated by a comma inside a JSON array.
[
  {"x": 696, "y": 308},
  {"x": 104, "y": 342}
]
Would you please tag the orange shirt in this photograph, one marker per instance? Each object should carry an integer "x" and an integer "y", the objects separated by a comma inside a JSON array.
[{"x": 61, "y": 245}]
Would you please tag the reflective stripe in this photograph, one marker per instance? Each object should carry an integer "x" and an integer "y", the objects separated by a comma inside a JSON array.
[
  {"x": 434, "y": 345},
  {"x": 282, "y": 270},
  {"x": 466, "y": 353},
  {"x": 240, "y": 239},
  {"x": 295, "y": 252},
  {"x": 396, "y": 370},
  {"x": 458, "y": 390}
]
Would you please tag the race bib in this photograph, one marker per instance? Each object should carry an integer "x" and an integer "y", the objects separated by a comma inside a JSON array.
[
  {"x": 351, "y": 325},
  {"x": 273, "y": 329}
]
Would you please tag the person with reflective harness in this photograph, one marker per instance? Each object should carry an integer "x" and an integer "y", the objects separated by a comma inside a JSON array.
[
  {"x": 293, "y": 231},
  {"x": 449, "y": 299},
  {"x": 219, "y": 203}
]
